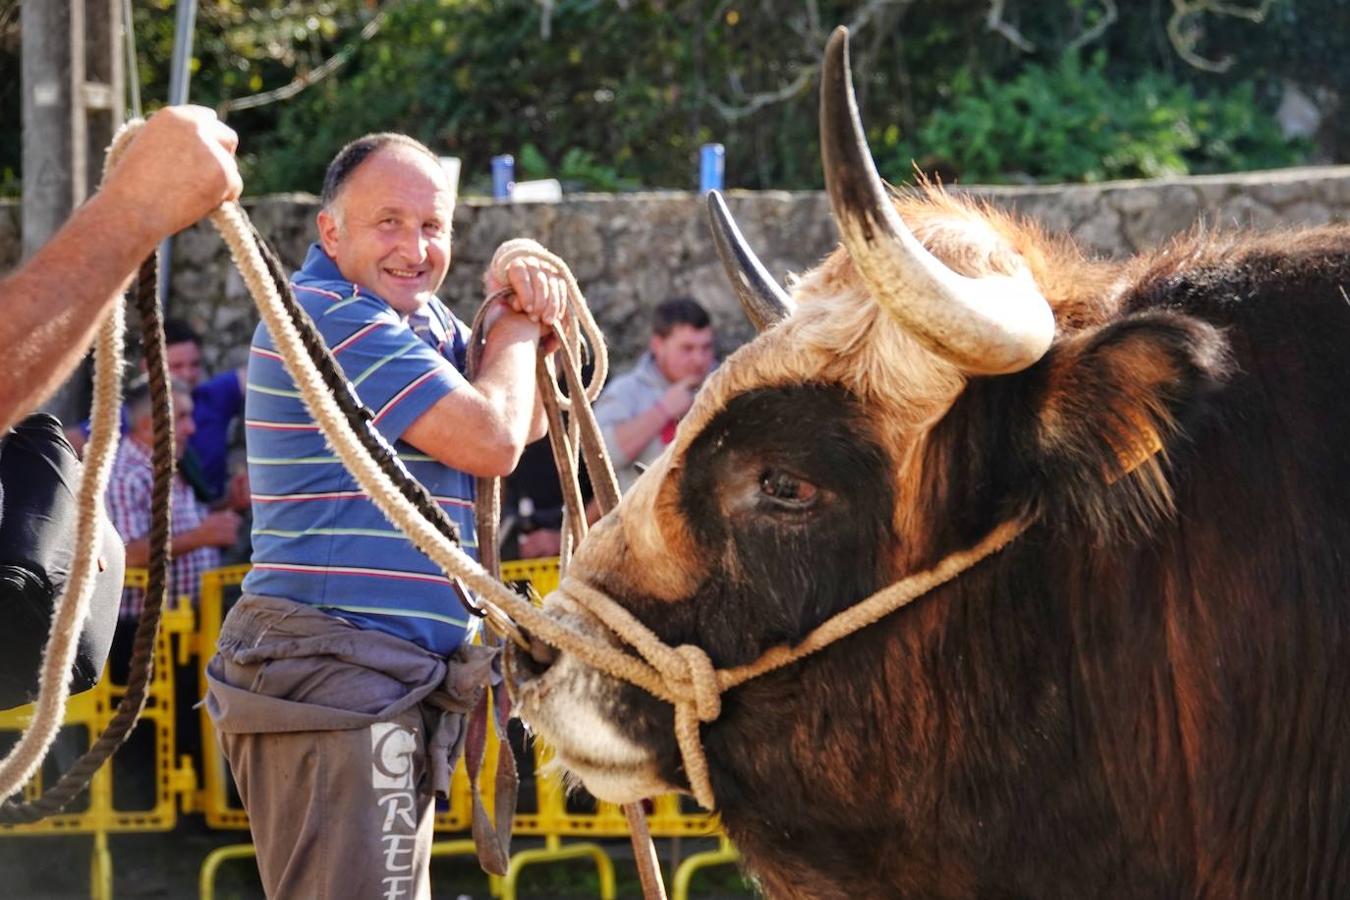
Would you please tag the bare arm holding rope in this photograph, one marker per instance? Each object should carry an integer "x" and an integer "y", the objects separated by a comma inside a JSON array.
[
  {"x": 501, "y": 402},
  {"x": 180, "y": 168}
]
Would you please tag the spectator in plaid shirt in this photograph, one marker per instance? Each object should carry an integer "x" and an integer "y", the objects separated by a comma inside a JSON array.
[{"x": 198, "y": 534}]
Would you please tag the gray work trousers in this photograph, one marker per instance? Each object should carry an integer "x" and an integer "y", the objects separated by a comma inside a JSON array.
[
  {"x": 326, "y": 731},
  {"x": 338, "y": 814}
]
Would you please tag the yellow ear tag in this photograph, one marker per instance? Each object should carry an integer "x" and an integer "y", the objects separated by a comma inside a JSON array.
[{"x": 1141, "y": 446}]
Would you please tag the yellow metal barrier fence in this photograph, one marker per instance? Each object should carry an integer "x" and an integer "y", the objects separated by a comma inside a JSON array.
[
  {"x": 99, "y": 812},
  {"x": 545, "y": 809}
]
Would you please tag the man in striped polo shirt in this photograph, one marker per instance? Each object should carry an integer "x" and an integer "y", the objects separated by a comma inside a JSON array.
[{"x": 345, "y": 628}]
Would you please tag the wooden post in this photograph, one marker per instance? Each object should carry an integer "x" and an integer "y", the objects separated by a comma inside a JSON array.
[{"x": 73, "y": 85}]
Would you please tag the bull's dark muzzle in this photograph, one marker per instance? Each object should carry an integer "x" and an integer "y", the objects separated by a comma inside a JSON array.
[{"x": 528, "y": 662}]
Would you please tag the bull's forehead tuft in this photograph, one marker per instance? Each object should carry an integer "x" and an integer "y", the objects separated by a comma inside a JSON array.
[{"x": 834, "y": 338}]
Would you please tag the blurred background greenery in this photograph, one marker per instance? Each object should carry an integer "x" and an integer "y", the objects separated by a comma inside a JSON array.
[{"x": 615, "y": 95}]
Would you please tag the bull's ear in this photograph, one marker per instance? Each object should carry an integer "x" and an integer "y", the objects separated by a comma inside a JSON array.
[{"x": 1115, "y": 405}]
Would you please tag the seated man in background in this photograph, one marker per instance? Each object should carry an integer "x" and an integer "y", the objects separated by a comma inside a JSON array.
[
  {"x": 198, "y": 533},
  {"x": 638, "y": 410}
]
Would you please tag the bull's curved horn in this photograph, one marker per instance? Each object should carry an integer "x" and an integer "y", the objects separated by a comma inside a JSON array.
[
  {"x": 985, "y": 326},
  {"x": 764, "y": 301}
]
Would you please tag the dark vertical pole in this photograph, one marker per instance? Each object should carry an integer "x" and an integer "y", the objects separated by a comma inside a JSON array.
[
  {"x": 180, "y": 73},
  {"x": 72, "y": 103},
  {"x": 129, "y": 46}
]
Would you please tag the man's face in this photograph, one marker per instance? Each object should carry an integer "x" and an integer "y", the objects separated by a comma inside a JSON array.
[
  {"x": 185, "y": 362},
  {"x": 183, "y": 424},
  {"x": 686, "y": 352},
  {"x": 143, "y": 425},
  {"x": 389, "y": 228}
]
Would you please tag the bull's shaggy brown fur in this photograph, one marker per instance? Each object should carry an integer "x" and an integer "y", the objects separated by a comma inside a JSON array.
[{"x": 1147, "y": 695}]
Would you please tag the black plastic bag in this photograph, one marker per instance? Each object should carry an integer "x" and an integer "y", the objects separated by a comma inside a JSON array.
[{"x": 39, "y": 478}]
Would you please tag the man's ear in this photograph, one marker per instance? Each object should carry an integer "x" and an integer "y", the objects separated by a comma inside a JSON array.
[
  {"x": 1115, "y": 402},
  {"x": 328, "y": 231}
]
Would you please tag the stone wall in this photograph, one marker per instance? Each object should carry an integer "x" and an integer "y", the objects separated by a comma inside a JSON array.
[{"x": 630, "y": 251}]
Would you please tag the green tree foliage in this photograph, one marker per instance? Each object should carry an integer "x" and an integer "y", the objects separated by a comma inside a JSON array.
[
  {"x": 1073, "y": 122},
  {"x": 604, "y": 95},
  {"x": 615, "y": 97},
  {"x": 241, "y": 47},
  {"x": 617, "y": 94}
]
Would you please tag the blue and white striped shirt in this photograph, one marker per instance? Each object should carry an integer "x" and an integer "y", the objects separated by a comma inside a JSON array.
[{"x": 317, "y": 537}]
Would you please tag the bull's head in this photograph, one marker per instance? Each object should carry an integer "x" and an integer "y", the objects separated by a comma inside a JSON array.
[{"x": 857, "y": 440}]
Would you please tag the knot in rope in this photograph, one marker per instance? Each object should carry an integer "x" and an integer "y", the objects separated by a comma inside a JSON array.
[
  {"x": 698, "y": 698},
  {"x": 697, "y": 682}
]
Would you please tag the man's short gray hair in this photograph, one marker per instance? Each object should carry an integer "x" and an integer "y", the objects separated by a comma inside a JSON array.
[
  {"x": 137, "y": 396},
  {"x": 350, "y": 157}
]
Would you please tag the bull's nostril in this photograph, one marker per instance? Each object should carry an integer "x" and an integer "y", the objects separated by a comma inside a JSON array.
[{"x": 541, "y": 655}]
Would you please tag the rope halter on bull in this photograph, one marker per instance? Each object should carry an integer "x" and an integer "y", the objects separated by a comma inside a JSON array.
[{"x": 684, "y": 676}]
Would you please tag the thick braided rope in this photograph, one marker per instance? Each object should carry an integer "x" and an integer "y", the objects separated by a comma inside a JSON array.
[
  {"x": 565, "y": 442},
  {"x": 49, "y": 710}
]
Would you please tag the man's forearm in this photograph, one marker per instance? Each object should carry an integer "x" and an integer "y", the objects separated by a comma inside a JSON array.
[
  {"x": 506, "y": 378},
  {"x": 635, "y": 434},
  {"x": 52, "y": 305}
]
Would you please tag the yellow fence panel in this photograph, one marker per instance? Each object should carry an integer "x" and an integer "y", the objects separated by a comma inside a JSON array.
[{"x": 87, "y": 714}]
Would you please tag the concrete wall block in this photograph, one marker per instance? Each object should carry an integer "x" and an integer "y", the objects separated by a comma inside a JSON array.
[
  {"x": 1149, "y": 218},
  {"x": 1246, "y": 212}
]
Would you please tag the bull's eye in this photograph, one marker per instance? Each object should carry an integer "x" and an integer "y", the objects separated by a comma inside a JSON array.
[{"x": 787, "y": 489}]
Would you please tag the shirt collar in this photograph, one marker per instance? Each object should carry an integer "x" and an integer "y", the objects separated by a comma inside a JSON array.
[{"x": 319, "y": 265}]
